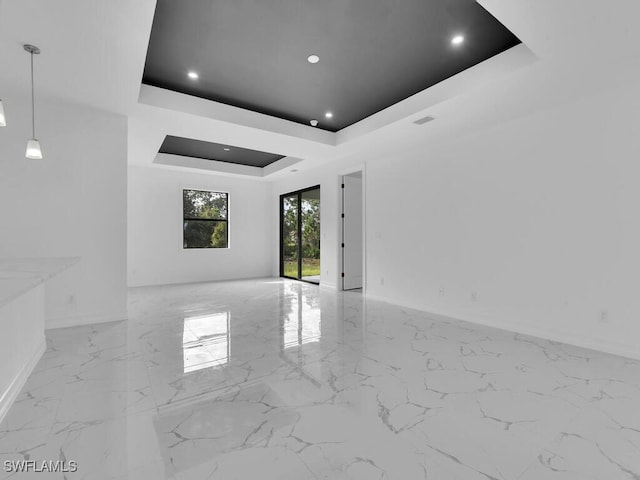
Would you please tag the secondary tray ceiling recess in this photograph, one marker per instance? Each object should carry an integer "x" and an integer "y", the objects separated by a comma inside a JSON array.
[
  {"x": 188, "y": 147},
  {"x": 372, "y": 53}
]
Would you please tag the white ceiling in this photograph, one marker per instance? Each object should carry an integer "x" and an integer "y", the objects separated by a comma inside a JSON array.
[{"x": 94, "y": 53}]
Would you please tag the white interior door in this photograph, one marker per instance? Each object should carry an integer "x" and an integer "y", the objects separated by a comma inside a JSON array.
[{"x": 352, "y": 231}]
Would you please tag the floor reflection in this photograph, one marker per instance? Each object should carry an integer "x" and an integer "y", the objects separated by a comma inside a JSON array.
[
  {"x": 364, "y": 389},
  {"x": 301, "y": 331},
  {"x": 224, "y": 434},
  {"x": 206, "y": 341},
  {"x": 303, "y": 322}
]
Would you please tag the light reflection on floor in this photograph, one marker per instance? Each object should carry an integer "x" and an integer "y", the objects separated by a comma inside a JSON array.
[
  {"x": 303, "y": 324},
  {"x": 278, "y": 379},
  {"x": 206, "y": 341}
]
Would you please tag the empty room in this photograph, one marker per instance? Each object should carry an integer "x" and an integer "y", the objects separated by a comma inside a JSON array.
[{"x": 338, "y": 239}]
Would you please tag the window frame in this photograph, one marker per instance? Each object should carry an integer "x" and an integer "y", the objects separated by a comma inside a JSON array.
[
  {"x": 298, "y": 194},
  {"x": 225, "y": 220}
]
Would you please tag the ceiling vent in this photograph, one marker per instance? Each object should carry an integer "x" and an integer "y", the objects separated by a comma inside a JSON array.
[{"x": 422, "y": 121}]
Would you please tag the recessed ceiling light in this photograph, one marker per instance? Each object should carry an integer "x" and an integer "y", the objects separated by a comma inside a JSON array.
[
  {"x": 294, "y": 170},
  {"x": 193, "y": 75},
  {"x": 457, "y": 40},
  {"x": 227, "y": 149},
  {"x": 314, "y": 123},
  {"x": 328, "y": 115},
  {"x": 313, "y": 59}
]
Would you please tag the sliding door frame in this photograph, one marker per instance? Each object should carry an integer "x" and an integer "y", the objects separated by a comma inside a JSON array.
[{"x": 297, "y": 193}]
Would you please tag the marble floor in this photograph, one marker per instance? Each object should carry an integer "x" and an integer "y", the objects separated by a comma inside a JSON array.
[{"x": 277, "y": 379}]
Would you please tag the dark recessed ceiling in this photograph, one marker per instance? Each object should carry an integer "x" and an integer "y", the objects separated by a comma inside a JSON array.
[
  {"x": 189, "y": 147},
  {"x": 373, "y": 53}
]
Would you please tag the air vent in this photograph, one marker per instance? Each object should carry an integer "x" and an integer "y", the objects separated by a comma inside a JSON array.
[{"x": 423, "y": 120}]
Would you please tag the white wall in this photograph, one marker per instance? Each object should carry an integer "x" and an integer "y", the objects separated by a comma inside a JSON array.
[
  {"x": 155, "y": 253},
  {"x": 536, "y": 217},
  {"x": 72, "y": 203}
]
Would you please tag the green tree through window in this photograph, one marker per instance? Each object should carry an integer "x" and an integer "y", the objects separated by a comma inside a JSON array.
[{"x": 205, "y": 219}]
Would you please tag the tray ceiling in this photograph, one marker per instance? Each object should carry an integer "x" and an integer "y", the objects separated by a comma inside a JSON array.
[
  {"x": 189, "y": 147},
  {"x": 372, "y": 53}
]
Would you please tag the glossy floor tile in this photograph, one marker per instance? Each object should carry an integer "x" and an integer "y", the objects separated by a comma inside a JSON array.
[{"x": 276, "y": 379}]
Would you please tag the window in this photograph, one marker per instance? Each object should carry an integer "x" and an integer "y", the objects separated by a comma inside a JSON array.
[{"x": 205, "y": 219}]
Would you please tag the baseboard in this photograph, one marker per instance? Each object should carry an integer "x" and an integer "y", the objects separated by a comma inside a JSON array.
[
  {"x": 566, "y": 337},
  {"x": 553, "y": 335},
  {"x": 196, "y": 282},
  {"x": 79, "y": 320},
  {"x": 19, "y": 381}
]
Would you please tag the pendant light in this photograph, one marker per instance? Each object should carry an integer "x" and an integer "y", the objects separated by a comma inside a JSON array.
[
  {"x": 3, "y": 120},
  {"x": 33, "y": 145}
]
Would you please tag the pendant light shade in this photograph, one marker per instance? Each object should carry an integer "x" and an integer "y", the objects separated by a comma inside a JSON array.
[
  {"x": 34, "y": 151},
  {"x": 33, "y": 146},
  {"x": 3, "y": 120}
]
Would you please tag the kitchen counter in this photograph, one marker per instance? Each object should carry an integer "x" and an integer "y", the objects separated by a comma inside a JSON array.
[{"x": 19, "y": 275}]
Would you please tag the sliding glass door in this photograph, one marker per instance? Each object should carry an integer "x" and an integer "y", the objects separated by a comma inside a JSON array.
[
  {"x": 290, "y": 250},
  {"x": 300, "y": 235}
]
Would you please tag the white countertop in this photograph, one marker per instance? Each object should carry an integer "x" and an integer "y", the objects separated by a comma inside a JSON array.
[{"x": 19, "y": 275}]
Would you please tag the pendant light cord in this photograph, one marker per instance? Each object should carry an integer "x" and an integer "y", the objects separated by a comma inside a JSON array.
[{"x": 33, "y": 103}]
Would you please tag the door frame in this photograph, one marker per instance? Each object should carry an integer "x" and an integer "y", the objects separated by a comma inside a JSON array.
[
  {"x": 342, "y": 174},
  {"x": 281, "y": 211}
]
